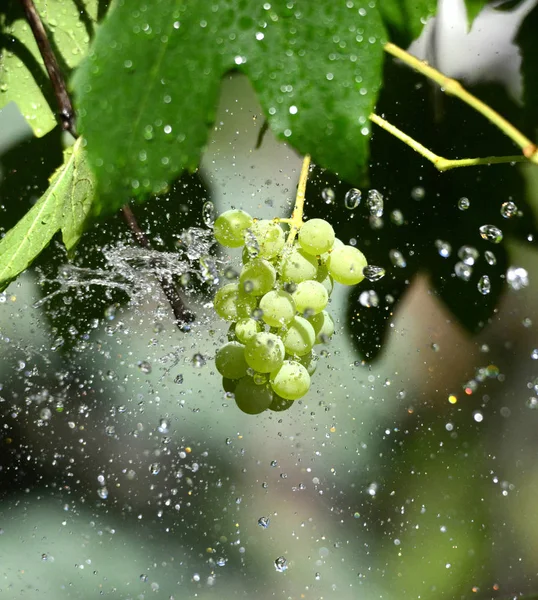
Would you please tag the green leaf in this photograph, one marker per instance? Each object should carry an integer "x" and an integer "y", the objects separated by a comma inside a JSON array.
[
  {"x": 64, "y": 206},
  {"x": 405, "y": 18},
  {"x": 526, "y": 40},
  {"x": 473, "y": 9},
  {"x": 23, "y": 77},
  {"x": 316, "y": 67}
]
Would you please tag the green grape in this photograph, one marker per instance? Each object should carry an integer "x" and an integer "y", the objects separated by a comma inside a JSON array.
[
  {"x": 280, "y": 404},
  {"x": 269, "y": 236},
  {"x": 291, "y": 381},
  {"x": 230, "y": 303},
  {"x": 278, "y": 308},
  {"x": 325, "y": 256},
  {"x": 299, "y": 337},
  {"x": 245, "y": 329},
  {"x": 346, "y": 265},
  {"x": 310, "y": 296},
  {"x": 229, "y": 385},
  {"x": 323, "y": 325},
  {"x": 324, "y": 278},
  {"x": 257, "y": 277},
  {"x": 230, "y": 227},
  {"x": 251, "y": 398},
  {"x": 298, "y": 266},
  {"x": 316, "y": 236},
  {"x": 309, "y": 362},
  {"x": 230, "y": 360},
  {"x": 264, "y": 352}
]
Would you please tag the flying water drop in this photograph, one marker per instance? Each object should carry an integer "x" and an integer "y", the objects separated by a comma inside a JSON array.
[
  {"x": 491, "y": 233},
  {"x": 352, "y": 198},
  {"x": 373, "y": 273},
  {"x": 375, "y": 203},
  {"x": 484, "y": 285}
]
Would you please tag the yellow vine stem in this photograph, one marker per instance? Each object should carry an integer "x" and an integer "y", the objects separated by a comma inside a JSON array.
[
  {"x": 441, "y": 163},
  {"x": 454, "y": 88},
  {"x": 296, "y": 220}
]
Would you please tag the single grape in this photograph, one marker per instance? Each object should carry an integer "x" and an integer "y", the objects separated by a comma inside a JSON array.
[
  {"x": 246, "y": 329},
  {"x": 324, "y": 278},
  {"x": 264, "y": 352},
  {"x": 230, "y": 360},
  {"x": 278, "y": 308},
  {"x": 269, "y": 236},
  {"x": 316, "y": 236},
  {"x": 325, "y": 256},
  {"x": 291, "y": 381},
  {"x": 299, "y": 336},
  {"x": 297, "y": 266},
  {"x": 230, "y": 227},
  {"x": 310, "y": 296},
  {"x": 257, "y": 277},
  {"x": 309, "y": 362},
  {"x": 280, "y": 404},
  {"x": 323, "y": 325},
  {"x": 251, "y": 398},
  {"x": 229, "y": 385},
  {"x": 230, "y": 303},
  {"x": 346, "y": 265}
]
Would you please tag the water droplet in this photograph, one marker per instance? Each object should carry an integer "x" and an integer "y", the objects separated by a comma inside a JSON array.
[
  {"x": 509, "y": 210},
  {"x": 418, "y": 193},
  {"x": 396, "y": 216},
  {"x": 484, "y": 285},
  {"x": 155, "y": 468},
  {"x": 281, "y": 564},
  {"x": 490, "y": 257},
  {"x": 328, "y": 195},
  {"x": 198, "y": 361},
  {"x": 463, "y": 271},
  {"x": 208, "y": 213},
  {"x": 263, "y": 522},
  {"x": 468, "y": 255},
  {"x": 352, "y": 198},
  {"x": 164, "y": 426},
  {"x": 369, "y": 299},
  {"x": 145, "y": 366},
  {"x": 103, "y": 493},
  {"x": 478, "y": 416},
  {"x": 375, "y": 203},
  {"x": 372, "y": 489},
  {"x": 464, "y": 203},
  {"x": 251, "y": 245},
  {"x": 517, "y": 277},
  {"x": 491, "y": 233},
  {"x": 397, "y": 259},
  {"x": 373, "y": 273},
  {"x": 444, "y": 248},
  {"x": 178, "y": 378}
]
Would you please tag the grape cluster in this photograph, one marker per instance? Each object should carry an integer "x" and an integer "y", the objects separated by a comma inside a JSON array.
[{"x": 277, "y": 308}]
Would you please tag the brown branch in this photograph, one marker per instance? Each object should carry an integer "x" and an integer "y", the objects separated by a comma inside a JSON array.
[
  {"x": 66, "y": 115},
  {"x": 182, "y": 314},
  {"x": 65, "y": 106}
]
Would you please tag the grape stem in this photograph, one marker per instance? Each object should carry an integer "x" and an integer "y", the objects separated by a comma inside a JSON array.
[
  {"x": 296, "y": 221},
  {"x": 453, "y": 87}
]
